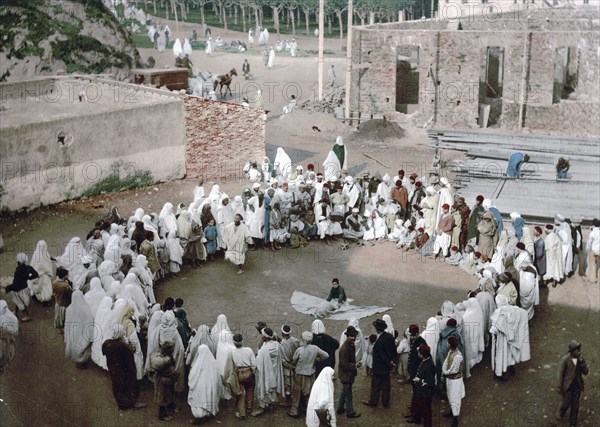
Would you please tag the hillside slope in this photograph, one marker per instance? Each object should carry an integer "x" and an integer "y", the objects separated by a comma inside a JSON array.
[{"x": 41, "y": 37}]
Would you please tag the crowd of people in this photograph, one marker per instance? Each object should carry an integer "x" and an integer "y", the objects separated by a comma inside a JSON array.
[{"x": 106, "y": 283}]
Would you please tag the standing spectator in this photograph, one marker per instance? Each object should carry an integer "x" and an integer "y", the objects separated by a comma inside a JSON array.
[
  {"x": 593, "y": 249},
  {"x": 424, "y": 388},
  {"x": 62, "y": 289},
  {"x": 347, "y": 371},
  {"x": 452, "y": 372},
  {"x": 244, "y": 364},
  {"x": 570, "y": 381},
  {"x": 384, "y": 352},
  {"x": 326, "y": 343},
  {"x": 163, "y": 365}
]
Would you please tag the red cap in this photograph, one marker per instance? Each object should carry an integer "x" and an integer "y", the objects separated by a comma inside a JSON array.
[
  {"x": 418, "y": 184},
  {"x": 421, "y": 229},
  {"x": 445, "y": 206},
  {"x": 479, "y": 198},
  {"x": 398, "y": 183},
  {"x": 310, "y": 167}
]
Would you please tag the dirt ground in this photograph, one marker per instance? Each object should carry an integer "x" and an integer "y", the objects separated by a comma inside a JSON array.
[{"x": 41, "y": 388}]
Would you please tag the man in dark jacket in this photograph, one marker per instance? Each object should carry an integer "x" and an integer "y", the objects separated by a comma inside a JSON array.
[
  {"x": 336, "y": 292},
  {"x": 326, "y": 343},
  {"x": 384, "y": 351},
  {"x": 347, "y": 373},
  {"x": 424, "y": 388},
  {"x": 570, "y": 381}
]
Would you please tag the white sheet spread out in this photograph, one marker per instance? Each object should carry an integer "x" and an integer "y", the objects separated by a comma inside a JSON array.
[{"x": 319, "y": 307}]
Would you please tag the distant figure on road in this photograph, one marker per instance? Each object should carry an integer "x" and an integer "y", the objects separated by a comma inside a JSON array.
[{"x": 515, "y": 162}]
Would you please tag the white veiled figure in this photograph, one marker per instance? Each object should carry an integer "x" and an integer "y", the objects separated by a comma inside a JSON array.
[
  {"x": 79, "y": 329},
  {"x": 449, "y": 311},
  {"x": 198, "y": 195},
  {"x": 149, "y": 225},
  {"x": 175, "y": 252},
  {"x": 224, "y": 216},
  {"x": 156, "y": 315},
  {"x": 202, "y": 336},
  {"x": 321, "y": 399},
  {"x": 95, "y": 295},
  {"x": 151, "y": 33},
  {"x": 359, "y": 344},
  {"x": 510, "y": 336},
  {"x": 284, "y": 162},
  {"x": 102, "y": 331},
  {"x": 72, "y": 255},
  {"x": 126, "y": 247},
  {"x": 390, "y": 325},
  {"x": 446, "y": 197},
  {"x": 187, "y": 47},
  {"x": 107, "y": 271},
  {"x": 177, "y": 48},
  {"x": 168, "y": 332},
  {"x": 220, "y": 325},
  {"x": 138, "y": 215},
  {"x": 204, "y": 382},
  {"x": 41, "y": 262},
  {"x": 238, "y": 205},
  {"x": 255, "y": 220},
  {"x": 224, "y": 349},
  {"x": 336, "y": 160},
  {"x": 214, "y": 197},
  {"x": 133, "y": 294},
  {"x": 125, "y": 319},
  {"x": 352, "y": 189},
  {"x": 144, "y": 276},
  {"x": 194, "y": 214},
  {"x": 529, "y": 291},
  {"x": 473, "y": 333},
  {"x": 168, "y": 220},
  {"x": 113, "y": 250},
  {"x": 9, "y": 330},
  {"x": 377, "y": 228},
  {"x": 431, "y": 335}
]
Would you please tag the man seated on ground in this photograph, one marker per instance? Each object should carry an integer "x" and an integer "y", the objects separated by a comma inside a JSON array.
[{"x": 337, "y": 292}]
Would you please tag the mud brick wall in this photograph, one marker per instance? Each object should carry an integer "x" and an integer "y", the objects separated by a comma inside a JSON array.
[{"x": 221, "y": 138}]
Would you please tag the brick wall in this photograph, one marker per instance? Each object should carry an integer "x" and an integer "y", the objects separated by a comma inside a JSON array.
[{"x": 221, "y": 138}]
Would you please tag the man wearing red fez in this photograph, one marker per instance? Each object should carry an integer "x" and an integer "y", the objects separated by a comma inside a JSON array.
[
  {"x": 399, "y": 193},
  {"x": 423, "y": 388},
  {"x": 418, "y": 194},
  {"x": 539, "y": 251},
  {"x": 444, "y": 232},
  {"x": 475, "y": 218},
  {"x": 421, "y": 238}
]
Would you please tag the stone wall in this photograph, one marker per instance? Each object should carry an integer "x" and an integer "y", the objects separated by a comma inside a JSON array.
[
  {"x": 452, "y": 70},
  {"x": 59, "y": 155},
  {"x": 221, "y": 138}
]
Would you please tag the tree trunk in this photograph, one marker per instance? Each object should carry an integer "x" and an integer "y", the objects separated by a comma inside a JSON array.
[
  {"x": 341, "y": 22},
  {"x": 219, "y": 11},
  {"x": 287, "y": 20},
  {"x": 256, "y": 18},
  {"x": 243, "y": 18},
  {"x": 293, "y": 23},
  {"x": 306, "y": 18},
  {"x": 154, "y": 5},
  {"x": 224, "y": 18},
  {"x": 329, "y": 29},
  {"x": 183, "y": 12},
  {"x": 275, "y": 10},
  {"x": 235, "y": 14},
  {"x": 202, "y": 18}
]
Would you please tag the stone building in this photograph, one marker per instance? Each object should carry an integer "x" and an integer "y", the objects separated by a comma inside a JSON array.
[{"x": 534, "y": 68}]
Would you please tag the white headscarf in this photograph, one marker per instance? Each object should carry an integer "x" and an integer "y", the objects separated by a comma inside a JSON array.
[
  {"x": 72, "y": 254},
  {"x": 224, "y": 348},
  {"x": 220, "y": 325},
  {"x": 113, "y": 250},
  {"x": 154, "y": 323},
  {"x": 79, "y": 329},
  {"x": 205, "y": 386},
  {"x": 102, "y": 328},
  {"x": 285, "y": 163},
  {"x": 40, "y": 260},
  {"x": 149, "y": 225},
  {"x": 390, "y": 326},
  {"x": 321, "y": 398},
  {"x": 202, "y": 336},
  {"x": 317, "y": 327},
  {"x": 9, "y": 323},
  {"x": 169, "y": 223},
  {"x": 95, "y": 295}
]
